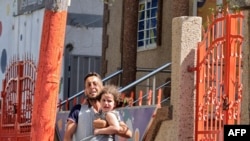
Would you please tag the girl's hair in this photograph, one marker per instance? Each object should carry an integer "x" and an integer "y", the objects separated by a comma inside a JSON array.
[{"x": 111, "y": 89}]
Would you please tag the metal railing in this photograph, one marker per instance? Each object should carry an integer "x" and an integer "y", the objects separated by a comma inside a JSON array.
[
  {"x": 152, "y": 73},
  {"x": 82, "y": 92}
]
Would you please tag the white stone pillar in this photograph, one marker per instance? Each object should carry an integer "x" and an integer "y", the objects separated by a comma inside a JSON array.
[{"x": 186, "y": 33}]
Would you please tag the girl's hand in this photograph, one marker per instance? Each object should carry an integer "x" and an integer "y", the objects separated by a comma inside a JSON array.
[
  {"x": 96, "y": 131},
  {"x": 99, "y": 123}
]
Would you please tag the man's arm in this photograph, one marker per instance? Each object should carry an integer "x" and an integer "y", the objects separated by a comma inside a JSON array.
[
  {"x": 69, "y": 131},
  {"x": 124, "y": 131}
]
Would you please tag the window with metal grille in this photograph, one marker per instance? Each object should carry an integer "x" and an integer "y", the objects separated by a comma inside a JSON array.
[{"x": 147, "y": 24}]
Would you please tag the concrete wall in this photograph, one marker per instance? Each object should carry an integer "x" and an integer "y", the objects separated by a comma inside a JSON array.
[
  {"x": 113, "y": 32},
  {"x": 186, "y": 33},
  {"x": 150, "y": 58},
  {"x": 245, "y": 112}
]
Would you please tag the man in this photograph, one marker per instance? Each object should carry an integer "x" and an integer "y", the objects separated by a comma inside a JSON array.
[
  {"x": 80, "y": 119},
  {"x": 79, "y": 123}
]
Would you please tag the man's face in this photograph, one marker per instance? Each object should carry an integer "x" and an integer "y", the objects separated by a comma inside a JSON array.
[{"x": 93, "y": 86}]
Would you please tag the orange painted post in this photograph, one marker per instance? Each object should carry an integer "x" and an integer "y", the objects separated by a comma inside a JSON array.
[
  {"x": 140, "y": 98},
  {"x": 159, "y": 98},
  {"x": 149, "y": 97},
  {"x": 131, "y": 99},
  {"x": 200, "y": 89},
  {"x": 122, "y": 95},
  {"x": 229, "y": 69},
  {"x": 232, "y": 56},
  {"x": 123, "y": 99},
  {"x": 48, "y": 75},
  {"x": 132, "y": 94}
]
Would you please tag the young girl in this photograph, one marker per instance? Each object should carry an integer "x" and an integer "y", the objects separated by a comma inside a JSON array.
[{"x": 109, "y": 98}]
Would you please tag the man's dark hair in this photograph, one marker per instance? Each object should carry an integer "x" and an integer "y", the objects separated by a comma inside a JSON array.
[{"x": 92, "y": 74}]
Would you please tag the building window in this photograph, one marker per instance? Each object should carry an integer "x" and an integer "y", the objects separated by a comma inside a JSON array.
[{"x": 147, "y": 24}]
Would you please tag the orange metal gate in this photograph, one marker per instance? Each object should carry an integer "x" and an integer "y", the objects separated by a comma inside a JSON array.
[
  {"x": 219, "y": 83},
  {"x": 17, "y": 101}
]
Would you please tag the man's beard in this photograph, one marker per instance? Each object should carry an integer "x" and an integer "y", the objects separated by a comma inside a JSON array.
[{"x": 92, "y": 98}]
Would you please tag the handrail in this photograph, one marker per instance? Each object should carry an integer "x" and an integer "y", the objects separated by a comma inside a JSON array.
[
  {"x": 165, "y": 99},
  {"x": 163, "y": 85},
  {"x": 144, "y": 77},
  {"x": 112, "y": 75},
  {"x": 81, "y": 92},
  {"x": 151, "y": 69},
  {"x": 152, "y": 73}
]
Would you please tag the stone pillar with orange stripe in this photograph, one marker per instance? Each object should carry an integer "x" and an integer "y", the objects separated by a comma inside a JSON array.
[{"x": 49, "y": 67}]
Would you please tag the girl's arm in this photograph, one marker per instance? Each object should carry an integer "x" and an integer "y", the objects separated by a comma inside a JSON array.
[{"x": 113, "y": 125}]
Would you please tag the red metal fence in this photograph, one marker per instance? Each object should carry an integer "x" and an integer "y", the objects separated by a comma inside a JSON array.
[
  {"x": 219, "y": 83},
  {"x": 17, "y": 100},
  {"x": 144, "y": 98}
]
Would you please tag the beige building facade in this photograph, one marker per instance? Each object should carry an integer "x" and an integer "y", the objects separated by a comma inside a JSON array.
[{"x": 162, "y": 52}]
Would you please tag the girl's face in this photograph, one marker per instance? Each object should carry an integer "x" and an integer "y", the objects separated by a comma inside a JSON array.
[{"x": 107, "y": 102}]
